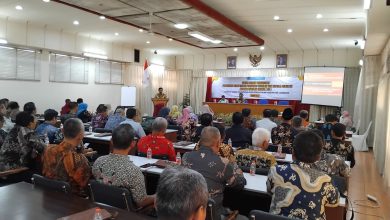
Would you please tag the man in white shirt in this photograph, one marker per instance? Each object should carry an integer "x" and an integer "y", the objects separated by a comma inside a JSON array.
[
  {"x": 131, "y": 113},
  {"x": 266, "y": 121},
  {"x": 223, "y": 100}
]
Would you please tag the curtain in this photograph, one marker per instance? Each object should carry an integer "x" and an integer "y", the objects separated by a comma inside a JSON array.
[
  {"x": 184, "y": 81},
  {"x": 351, "y": 80},
  {"x": 319, "y": 111},
  {"x": 198, "y": 89},
  {"x": 366, "y": 95}
]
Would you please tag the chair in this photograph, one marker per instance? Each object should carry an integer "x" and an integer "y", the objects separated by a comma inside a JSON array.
[
  {"x": 259, "y": 171},
  {"x": 263, "y": 102},
  {"x": 102, "y": 130},
  {"x": 111, "y": 195},
  {"x": 341, "y": 183},
  {"x": 357, "y": 127},
  {"x": 259, "y": 215},
  {"x": 274, "y": 148},
  {"x": 359, "y": 142},
  {"x": 283, "y": 102},
  {"x": 56, "y": 185},
  {"x": 210, "y": 211}
]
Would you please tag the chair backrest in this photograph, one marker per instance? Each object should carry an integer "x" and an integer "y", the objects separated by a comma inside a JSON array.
[
  {"x": 283, "y": 102},
  {"x": 111, "y": 195},
  {"x": 57, "y": 185},
  {"x": 368, "y": 130},
  {"x": 357, "y": 127},
  {"x": 263, "y": 102},
  {"x": 259, "y": 215},
  {"x": 340, "y": 183},
  {"x": 210, "y": 211}
]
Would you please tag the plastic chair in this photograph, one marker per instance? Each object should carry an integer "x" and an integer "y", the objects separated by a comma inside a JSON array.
[
  {"x": 359, "y": 142},
  {"x": 357, "y": 127},
  {"x": 111, "y": 195},
  {"x": 56, "y": 185},
  {"x": 283, "y": 102},
  {"x": 259, "y": 215},
  {"x": 263, "y": 102}
]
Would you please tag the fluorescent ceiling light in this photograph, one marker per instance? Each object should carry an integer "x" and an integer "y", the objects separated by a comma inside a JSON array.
[
  {"x": 148, "y": 42},
  {"x": 325, "y": 30},
  {"x": 362, "y": 44},
  {"x": 276, "y": 18},
  {"x": 102, "y": 17},
  {"x": 3, "y": 41},
  {"x": 367, "y": 4},
  {"x": 46, "y": 0},
  {"x": 319, "y": 16},
  {"x": 361, "y": 62},
  {"x": 19, "y": 7},
  {"x": 181, "y": 26},
  {"x": 216, "y": 41},
  {"x": 95, "y": 55},
  {"x": 235, "y": 49},
  {"x": 262, "y": 48},
  {"x": 204, "y": 37},
  {"x": 289, "y": 30},
  {"x": 76, "y": 22},
  {"x": 170, "y": 39},
  {"x": 141, "y": 30}
]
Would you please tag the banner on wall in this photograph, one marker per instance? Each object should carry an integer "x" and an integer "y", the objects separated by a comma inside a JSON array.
[{"x": 276, "y": 88}]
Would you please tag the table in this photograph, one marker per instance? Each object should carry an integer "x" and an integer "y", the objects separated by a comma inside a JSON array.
[
  {"x": 184, "y": 149},
  {"x": 256, "y": 109},
  {"x": 25, "y": 201}
]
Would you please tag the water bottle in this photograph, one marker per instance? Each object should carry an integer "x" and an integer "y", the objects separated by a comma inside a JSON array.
[
  {"x": 230, "y": 142},
  {"x": 178, "y": 159},
  {"x": 90, "y": 129},
  {"x": 47, "y": 139},
  {"x": 149, "y": 153},
  {"x": 280, "y": 150},
  {"x": 98, "y": 214},
  {"x": 252, "y": 169}
]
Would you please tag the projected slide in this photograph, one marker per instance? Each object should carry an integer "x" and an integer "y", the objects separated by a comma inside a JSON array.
[{"x": 323, "y": 86}]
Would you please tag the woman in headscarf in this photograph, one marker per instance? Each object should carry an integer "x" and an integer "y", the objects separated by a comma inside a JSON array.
[
  {"x": 206, "y": 109},
  {"x": 174, "y": 114},
  {"x": 346, "y": 119},
  {"x": 188, "y": 122}
]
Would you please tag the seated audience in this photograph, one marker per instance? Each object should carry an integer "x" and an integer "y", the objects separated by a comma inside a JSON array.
[
  {"x": 241, "y": 137},
  {"x": 218, "y": 176},
  {"x": 10, "y": 116},
  {"x": 188, "y": 122},
  {"x": 206, "y": 119},
  {"x": 331, "y": 164},
  {"x": 116, "y": 169},
  {"x": 225, "y": 150},
  {"x": 164, "y": 112},
  {"x": 30, "y": 108},
  {"x": 115, "y": 119},
  {"x": 206, "y": 109},
  {"x": 266, "y": 122},
  {"x": 161, "y": 147},
  {"x": 299, "y": 190},
  {"x": 63, "y": 162},
  {"x": 4, "y": 101},
  {"x": 3, "y": 134},
  {"x": 346, "y": 120},
  {"x": 82, "y": 111},
  {"x": 296, "y": 125},
  {"x": 260, "y": 141},
  {"x": 3, "y": 109},
  {"x": 99, "y": 120},
  {"x": 241, "y": 99},
  {"x": 48, "y": 126},
  {"x": 305, "y": 117},
  {"x": 131, "y": 118},
  {"x": 223, "y": 100},
  {"x": 181, "y": 195},
  {"x": 65, "y": 109},
  {"x": 282, "y": 134},
  {"x": 73, "y": 108},
  {"x": 339, "y": 146},
  {"x": 275, "y": 117},
  {"x": 174, "y": 115},
  {"x": 22, "y": 147},
  {"x": 249, "y": 122},
  {"x": 330, "y": 120}
]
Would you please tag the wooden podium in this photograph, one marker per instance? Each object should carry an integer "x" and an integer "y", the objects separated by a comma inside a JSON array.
[{"x": 158, "y": 105}]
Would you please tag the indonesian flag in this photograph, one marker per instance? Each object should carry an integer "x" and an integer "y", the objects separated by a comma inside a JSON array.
[{"x": 146, "y": 76}]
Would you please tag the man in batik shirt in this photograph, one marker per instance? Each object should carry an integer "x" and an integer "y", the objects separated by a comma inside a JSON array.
[
  {"x": 299, "y": 190},
  {"x": 160, "y": 94},
  {"x": 217, "y": 171},
  {"x": 339, "y": 146},
  {"x": 63, "y": 162},
  {"x": 282, "y": 135}
]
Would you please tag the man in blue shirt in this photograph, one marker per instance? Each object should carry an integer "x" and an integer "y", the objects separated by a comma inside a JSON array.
[
  {"x": 131, "y": 114},
  {"x": 48, "y": 126}
]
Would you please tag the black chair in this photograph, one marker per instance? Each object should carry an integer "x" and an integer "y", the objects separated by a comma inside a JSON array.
[
  {"x": 102, "y": 130},
  {"x": 340, "y": 183},
  {"x": 111, "y": 195},
  {"x": 274, "y": 148},
  {"x": 56, "y": 185},
  {"x": 210, "y": 211},
  {"x": 259, "y": 171},
  {"x": 259, "y": 215}
]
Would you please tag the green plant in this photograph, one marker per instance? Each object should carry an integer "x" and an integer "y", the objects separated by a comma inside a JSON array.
[{"x": 186, "y": 101}]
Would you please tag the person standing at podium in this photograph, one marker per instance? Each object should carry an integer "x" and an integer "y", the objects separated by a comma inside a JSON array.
[
  {"x": 241, "y": 99},
  {"x": 160, "y": 94}
]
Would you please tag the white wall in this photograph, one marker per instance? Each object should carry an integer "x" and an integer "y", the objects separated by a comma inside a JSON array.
[
  {"x": 52, "y": 95},
  {"x": 339, "y": 57}
]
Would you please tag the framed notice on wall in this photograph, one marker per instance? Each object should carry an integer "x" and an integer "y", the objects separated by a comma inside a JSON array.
[{"x": 281, "y": 61}]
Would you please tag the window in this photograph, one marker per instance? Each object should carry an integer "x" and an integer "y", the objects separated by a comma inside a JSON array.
[
  {"x": 108, "y": 72},
  {"x": 64, "y": 68},
  {"x": 19, "y": 64}
]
